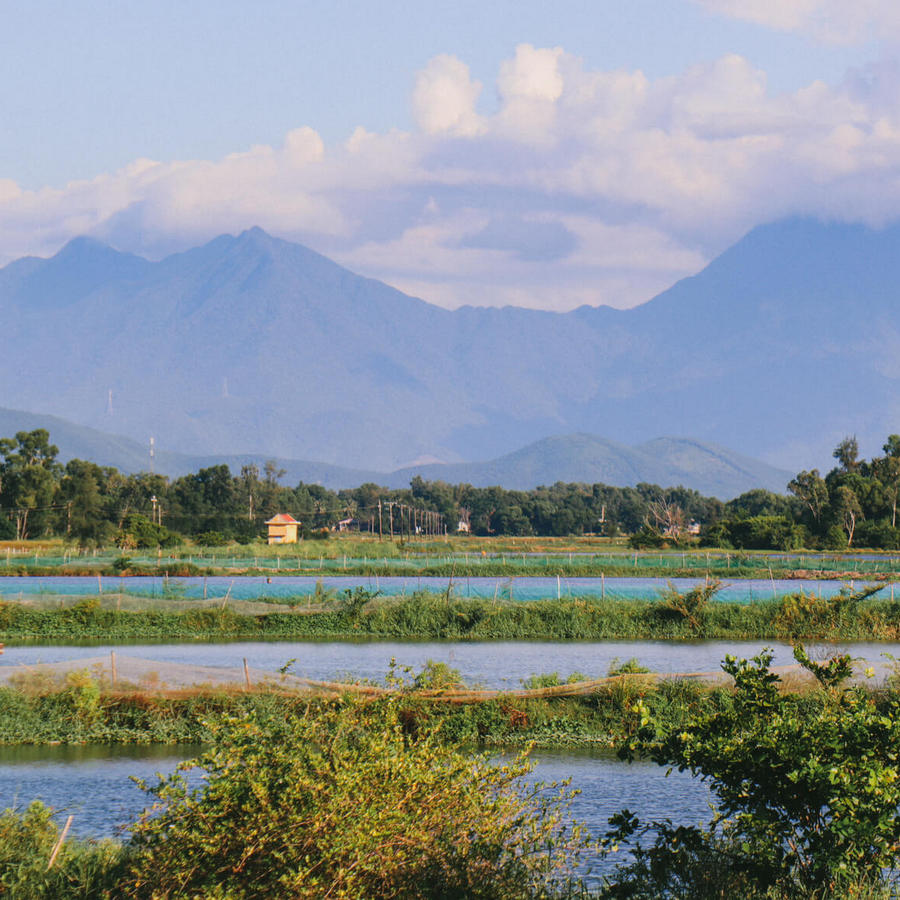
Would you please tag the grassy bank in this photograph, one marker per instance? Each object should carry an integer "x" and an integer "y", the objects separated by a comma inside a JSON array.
[
  {"x": 691, "y": 615},
  {"x": 80, "y": 712},
  {"x": 455, "y": 557}
]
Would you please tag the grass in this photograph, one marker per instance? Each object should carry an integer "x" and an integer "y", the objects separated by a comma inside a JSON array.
[
  {"x": 456, "y": 557},
  {"x": 444, "y": 616}
]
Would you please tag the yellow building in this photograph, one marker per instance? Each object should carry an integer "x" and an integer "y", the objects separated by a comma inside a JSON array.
[{"x": 283, "y": 529}]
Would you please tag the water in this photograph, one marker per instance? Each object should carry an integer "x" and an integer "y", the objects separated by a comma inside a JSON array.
[
  {"x": 514, "y": 588},
  {"x": 93, "y": 784},
  {"x": 492, "y": 664}
]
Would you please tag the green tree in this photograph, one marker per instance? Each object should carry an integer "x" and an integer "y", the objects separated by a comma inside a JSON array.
[
  {"x": 28, "y": 479},
  {"x": 79, "y": 490},
  {"x": 847, "y": 511},
  {"x": 847, "y": 454},
  {"x": 811, "y": 490},
  {"x": 807, "y": 790}
]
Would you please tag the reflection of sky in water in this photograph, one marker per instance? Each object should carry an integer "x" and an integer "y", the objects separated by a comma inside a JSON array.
[
  {"x": 493, "y": 664},
  {"x": 515, "y": 588}
]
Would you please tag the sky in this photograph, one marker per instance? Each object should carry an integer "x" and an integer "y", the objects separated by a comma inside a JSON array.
[{"x": 479, "y": 153}]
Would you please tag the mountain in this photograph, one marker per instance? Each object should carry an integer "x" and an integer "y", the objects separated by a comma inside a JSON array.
[
  {"x": 252, "y": 345},
  {"x": 712, "y": 470}
]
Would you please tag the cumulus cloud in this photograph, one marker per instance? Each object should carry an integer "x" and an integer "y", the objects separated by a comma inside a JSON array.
[
  {"x": 444, "y": 98},
  {"x": 834, "y": 21},
  {"x": 581, "y": 186}
]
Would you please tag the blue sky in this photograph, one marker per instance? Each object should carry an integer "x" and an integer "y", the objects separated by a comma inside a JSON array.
[{"x": 588, "y": 152}]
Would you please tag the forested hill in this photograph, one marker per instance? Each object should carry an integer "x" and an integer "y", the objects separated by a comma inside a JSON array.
[{"x": 253, "y": 345}]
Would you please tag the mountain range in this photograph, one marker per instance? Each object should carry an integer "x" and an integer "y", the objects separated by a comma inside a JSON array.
[
  {"x": 714, "y": 471},
  {"x": 252, "y": 345}
]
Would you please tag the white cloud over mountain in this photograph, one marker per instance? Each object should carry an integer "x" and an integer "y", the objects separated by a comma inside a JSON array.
[{"x": 579, "y": 186}]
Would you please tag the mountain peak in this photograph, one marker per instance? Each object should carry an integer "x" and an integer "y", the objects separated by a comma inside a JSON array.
[{"x": 256, "y": 237}]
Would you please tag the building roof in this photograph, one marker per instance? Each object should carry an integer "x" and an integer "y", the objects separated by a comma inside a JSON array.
[{"x": 282, "y": 519}]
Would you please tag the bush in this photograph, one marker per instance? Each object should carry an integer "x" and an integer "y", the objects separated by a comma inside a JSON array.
[
  {"x": 437, "y": 676},
  {"x": 807, "y": 790},
  {"x": 757, "y": 533},
  {"x": 345, "y": 803},
  {"x": 629, "y": 667},
  {"x": 211, "y": 539},
  {"x": 139, "y": 531},
  {"x": 80, "y": 870}
]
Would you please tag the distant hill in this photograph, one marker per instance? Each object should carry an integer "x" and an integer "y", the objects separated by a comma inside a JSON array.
[
  {"x": 252, "y": 345},
  {"x": 712, "y": 470}
]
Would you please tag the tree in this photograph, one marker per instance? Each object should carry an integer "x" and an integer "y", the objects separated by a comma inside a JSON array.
[
  {"x": 847, "y": 511},
  {"x": 28, "y": 477},
  {"x": 887, "y": 471},
  {"x": 249, "y": 487},
  {"x": 807, "y": 790},
  {"x": 80, "y": 491},
  {"x": 811, "y": 490},
  {"x": 668, "y": 517},
  {"x": 847, "y": 454}
]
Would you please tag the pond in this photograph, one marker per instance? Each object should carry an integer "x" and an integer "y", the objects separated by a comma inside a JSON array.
[
  {"x": 94, "y": 785},
  {"x": 491, "y": 664},
  {"x": 517, "y": 588}
]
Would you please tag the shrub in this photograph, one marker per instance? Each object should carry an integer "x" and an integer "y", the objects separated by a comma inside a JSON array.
[
  {"x": 629, "y": 667},
  {"x": 807, "y": 791},
  {"x": 345, "y": 803},
  {"x": 211, "y": 539},
  {"x": 437, "y": 676}
]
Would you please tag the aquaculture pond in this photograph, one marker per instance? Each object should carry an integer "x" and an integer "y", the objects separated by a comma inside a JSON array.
[
  {"x": 94, "y": 784},
  {"x": 286, "y": 587},
  {"x": 491, "y": 664}
]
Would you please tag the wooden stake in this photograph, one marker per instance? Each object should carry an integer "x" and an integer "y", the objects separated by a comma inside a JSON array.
[
  {"x": 112, "y": 665},
  {"x": 246, "y": 673},
  {"x": 59, "y": 843}
]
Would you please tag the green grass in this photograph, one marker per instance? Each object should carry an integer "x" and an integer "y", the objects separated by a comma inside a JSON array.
[{"x": 446, "y": 617}]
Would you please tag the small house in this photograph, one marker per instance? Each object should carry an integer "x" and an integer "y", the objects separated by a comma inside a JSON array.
[{"x": 283, "y": 529}]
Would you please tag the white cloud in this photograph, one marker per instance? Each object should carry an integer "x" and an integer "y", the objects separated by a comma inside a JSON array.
[
  {"x": 582, "y": 187},
  {"x": 444, "y": 98},
  {"x": 832, "y": 21}
]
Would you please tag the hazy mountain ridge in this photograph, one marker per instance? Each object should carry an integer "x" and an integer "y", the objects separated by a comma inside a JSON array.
[
  {"x": 782, "y": 345},
  {"x": 587, "y": 458}
]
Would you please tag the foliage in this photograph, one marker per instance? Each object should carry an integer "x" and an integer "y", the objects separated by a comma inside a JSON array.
[
  {"x": 211, "y": 539},
  {"x": 139, "y": 531},
  {"x": 690, "y": 605},
  {"x": 629, "y": 667},
  {"x": 807, "y": 793},
  {"x": 437, "y": 676},
  {"x": 425, "y": 615},
  {"x": 346, "y": 803},
  {"x": 27, "y": 840},
  {"x": 757, "y": 533}
]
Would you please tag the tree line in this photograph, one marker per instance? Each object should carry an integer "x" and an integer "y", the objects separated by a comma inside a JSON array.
[{"x": 855, "y": 504}]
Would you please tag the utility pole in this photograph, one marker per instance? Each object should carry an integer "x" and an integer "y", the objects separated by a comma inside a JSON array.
[{"x": 380, "y": 533}]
